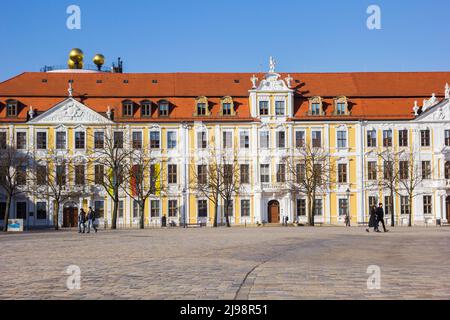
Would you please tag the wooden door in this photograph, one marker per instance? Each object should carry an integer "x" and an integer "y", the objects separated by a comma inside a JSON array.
[
  {"x": 274, "y": 212},
  {"x": 70, "y": 217},
  {"x": 448, "y": 208}
]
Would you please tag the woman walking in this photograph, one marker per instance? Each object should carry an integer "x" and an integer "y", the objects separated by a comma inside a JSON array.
[{"x": 373, "y": 221}]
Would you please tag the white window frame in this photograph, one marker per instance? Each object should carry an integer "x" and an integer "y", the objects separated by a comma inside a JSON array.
[
  {"x": 75, "y": 131},
  {"x": 150, "y": 139},
  {"x": 176, "y": 139},
  {"x": 36, "y": 136},
  {"x": 224, "y": 132}
]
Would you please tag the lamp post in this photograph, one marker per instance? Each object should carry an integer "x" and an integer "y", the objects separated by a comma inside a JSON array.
[
  {"x": 348, "y": 208},
  {"x": 184, "y": 207}
]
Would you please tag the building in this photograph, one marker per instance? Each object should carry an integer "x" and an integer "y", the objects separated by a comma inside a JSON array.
[{"x": 261, "y": 117}]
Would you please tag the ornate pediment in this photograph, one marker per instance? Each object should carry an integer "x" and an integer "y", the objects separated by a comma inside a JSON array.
[
  {"x": 439, "y": 112},
  {"x": 72, "y": 112}
]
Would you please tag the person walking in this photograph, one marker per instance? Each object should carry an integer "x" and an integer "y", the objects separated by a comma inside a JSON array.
[
  {"x": 91, "y": 220},
  {"x": 373, "y": 219},
  {"x": 82, "y": 221},
  {"x": 380, "y": 217}
]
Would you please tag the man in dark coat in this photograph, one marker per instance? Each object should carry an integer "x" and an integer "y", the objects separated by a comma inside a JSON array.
[
  {"x": 373, "y": 219},
  {"x": 380, "y": 217}
]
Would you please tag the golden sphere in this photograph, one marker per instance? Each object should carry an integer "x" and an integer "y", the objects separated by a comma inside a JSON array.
[
  {"x": 76, "y": 55},
  {"x": 99, "y": 59},
  {"x": 71, "y": 64}
]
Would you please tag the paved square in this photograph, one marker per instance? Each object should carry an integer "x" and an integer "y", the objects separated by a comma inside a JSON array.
[{"x": 242, "y": 263}]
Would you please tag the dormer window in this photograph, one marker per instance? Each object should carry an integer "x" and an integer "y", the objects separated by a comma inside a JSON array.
[
  {"x": 163, "y": 108},
  {"x": 146, "y": 108},
  {"x": 202, "y": 106},
  {"x": 127, "y": 108},
  {"x": 341, "y": 106},
  {"x": 315, "y": 106},
  {"x": 227, "y": 106},
  {"x": 12, "y": 108}
]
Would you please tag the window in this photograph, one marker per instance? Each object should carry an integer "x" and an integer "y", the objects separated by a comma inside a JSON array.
[
  {"x": 343, "y": 207},
  {"x": 137, "y": 140},
  {"x": 317, "y": 139},
  {"x": 300, "y": 169},
  {"x": 226, "y": 109},
  {"x": 265, "y": 173},
  {"x": 136, "y": 209},
  {"x": 228, "y": 174},
  {"x": 127, "y": 109},
  {"x": 172, "y": 171},
  {"x": 11, "y": 108},
  {"x": 427, "y": 205},
  {"x": 99, "y": 140},
  {"x": 447, "y": 170},
  {"x": 21, "y": 175},
  {"x": 340, "y": 108},
  {"x": 79, "y": 175},
  {"x": 403, "y": 138},
  {"x": 79, "y": 140},
  {"x": 318, "y": 208},
  {"x": 281, "y": 139},
  {"x": 301, "y": 207},
  {"x": 202, "y": 140},
  {"x": 371, "y": 138},
  {"x": 281, "y": 173},
  {"x": 155, "y": 140},
  {"x": 61, "y": 174},
  {"x": 342, "y": 173},
  {"x": 404, "y": 205},
  {"x": 244, "y": 139},
  {"x": 41, "y": 210},
  {"x": 426, "y": 170},
  {"x": 373, "y": 202},
  {"x": 229, "y": 210},
  {"x": 264, "y": 139},
  {"x": 61, "y": 140},
  {"x": 118, "y": 140},
  {"x": 173, "y": 208},
  {"x": 227, "y": 140},
  {"x": 404, "y": 170},
  {"x": 41, "y": 140},
  {"x": 280, "y": 109},
  {"x": 21, "y": 140},
  {"x": 317, "y": 173},
  {"x": 425, "y": 138},
  {"x": 154, "y": 208},
  {"x": 342, "y": 139},
  {"x": 447, "y": 138},
  {"x": 388, "y": 170},
  {"x": 2, "y": 210},
  {"x": 154, "y": 177},
  {"x": 120, "y": 209},
  {"x": 300, "y": 139},
  {"x": 387, "y": 138},
  {"x": 245, "y": 208},
  {"x": 99, "y": 174},
  {"x": 202, "y": 174},
  {"x": 202, "y": 208},
  {"x": 264, "y": 108},
  {"x": 41, "y": 175},
  {"x": 315, "y": 109},
  {"x": 99, "y": 207},
  {"x": 164, "y": 109},
  {"x": 171, "y": 139},
  {"x": 201, "y": 109},
  {"x": 21, "y": 210},
  {"x": 146, "y": 109},
  {"x": 2, "y": 140},
  {"x": 371, "y": 170},
  {"x": 388, "y": 205},
  {"x": 245, "y": 173}
]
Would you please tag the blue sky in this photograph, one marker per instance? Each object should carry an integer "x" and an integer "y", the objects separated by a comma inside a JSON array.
[{"x": 229, "y": 36}]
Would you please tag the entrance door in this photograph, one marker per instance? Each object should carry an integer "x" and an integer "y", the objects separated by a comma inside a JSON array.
[
  {"x": 21, "y": 210},
  {"x": 70, "y": 217},
  {"x": 274, "y": 212},
  {"x": 448, "y": 208}
]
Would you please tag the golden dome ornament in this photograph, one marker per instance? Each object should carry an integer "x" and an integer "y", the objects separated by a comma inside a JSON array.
[
  {"x": 77, "y": 56},
  {"x": 71, "y": 64},
  {"x": 99, "y": 61}
]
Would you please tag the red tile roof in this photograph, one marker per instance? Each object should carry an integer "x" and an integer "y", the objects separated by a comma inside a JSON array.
[{"x": 372, "y": 95}]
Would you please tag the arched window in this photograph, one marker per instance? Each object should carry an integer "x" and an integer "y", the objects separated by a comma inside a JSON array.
[
  {"x": 127, "y": 108},
  {"x": 227, "y": 106},
  {"x": 315, "y": 106},
  {"x": 341, "y": 106},
  {"x": 202, "y": 108}
]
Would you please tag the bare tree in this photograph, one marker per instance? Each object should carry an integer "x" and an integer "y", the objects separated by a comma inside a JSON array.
[
  {"x": 143, "y": 179},
  {"x": 50, "y": 181},
  {"x": 410, "y": 180},
  {"x": 309, "y": 174},
  {"x": 13, "y": 176},
  {"x": 112, "y": 154}
]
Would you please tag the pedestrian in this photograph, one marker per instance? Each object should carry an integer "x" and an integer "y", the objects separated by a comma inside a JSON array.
[
  {"x": 91, "y": 220},
  {"x": 347, "y": 220},
  {"x": 82, "y": 221},
  {"x": 380, "y": 217},
  {"x": 373, "y": 219}
]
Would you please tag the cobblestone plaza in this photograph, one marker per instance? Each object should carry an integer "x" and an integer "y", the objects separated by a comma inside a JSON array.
[{"x": 236, "y": 263}]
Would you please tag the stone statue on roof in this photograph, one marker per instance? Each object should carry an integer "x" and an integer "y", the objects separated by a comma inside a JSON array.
[{"x": 272, "y": 64}]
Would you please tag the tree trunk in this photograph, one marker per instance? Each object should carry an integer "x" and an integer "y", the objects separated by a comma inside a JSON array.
[
  {"x": 6, "y": 216},
  {"x": 142, "y": 216},
  {"x": 56, "y": 216},
  {"x": 216, "y": 207},
  {"x": 410, "y": 212},
  {"x": 227, "y": 218},
  {"x": 313, "y": 208},
  {"x": 115, "y": 210},
  {"x": 392, "y": 209}
]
